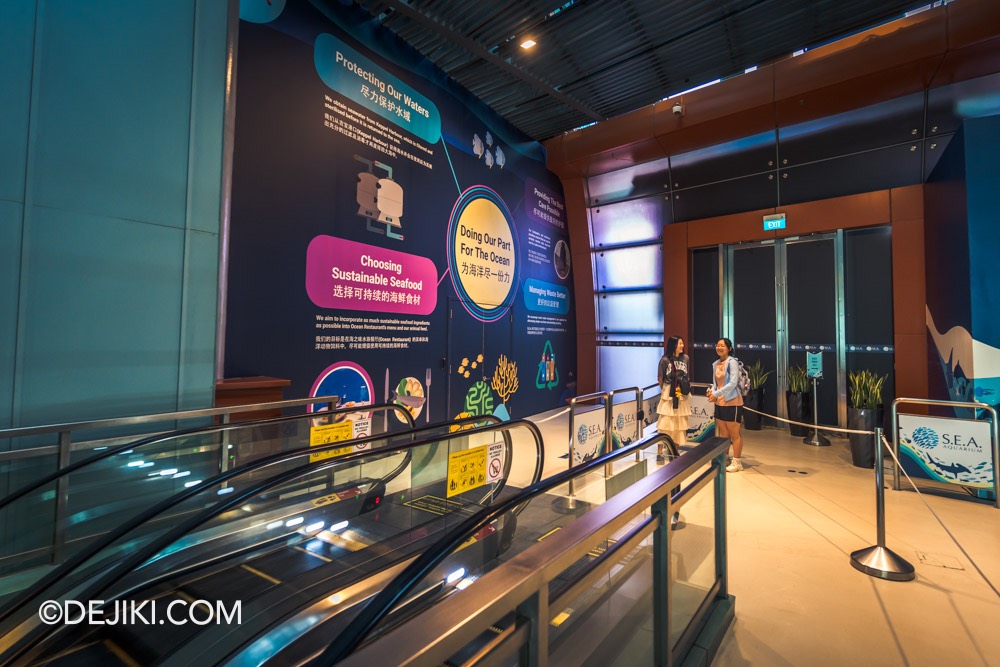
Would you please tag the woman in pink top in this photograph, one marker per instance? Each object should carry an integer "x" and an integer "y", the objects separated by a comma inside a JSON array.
[{"x": 725, "y": 393}]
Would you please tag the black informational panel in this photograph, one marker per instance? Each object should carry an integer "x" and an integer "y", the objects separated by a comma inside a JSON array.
[
  {"x": 385, "y": 227},
  {"x": 812, "y": 314},
  {"x": 754, "y": 325},
  {"x": 706, "y": 320},
  {"x": 868, "y": 304}
]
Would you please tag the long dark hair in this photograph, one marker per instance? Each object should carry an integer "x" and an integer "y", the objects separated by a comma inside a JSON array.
[{"x": 671, "y": 347}]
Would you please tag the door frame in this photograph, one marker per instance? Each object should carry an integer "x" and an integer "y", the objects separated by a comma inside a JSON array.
[{"x": 726, "y": 272}]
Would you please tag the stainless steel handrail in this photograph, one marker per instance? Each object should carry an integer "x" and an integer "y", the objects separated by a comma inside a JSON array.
[
  {"x": 66, "y": 429},
  {"x": 96, "y": 587},
  {"x": 521, "y": 585}
]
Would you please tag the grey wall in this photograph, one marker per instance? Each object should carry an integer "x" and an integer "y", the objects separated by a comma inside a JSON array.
[{"x": 111, "y": 135}]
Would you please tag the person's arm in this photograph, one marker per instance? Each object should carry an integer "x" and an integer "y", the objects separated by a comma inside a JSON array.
[{"x": 734, "y": 377}]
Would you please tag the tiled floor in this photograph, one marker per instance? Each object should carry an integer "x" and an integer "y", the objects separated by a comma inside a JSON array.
[{"x": 795, "y": 515}]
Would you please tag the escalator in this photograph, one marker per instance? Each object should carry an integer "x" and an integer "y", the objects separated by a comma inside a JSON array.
[
  {"x": 537, "y": 512},
  {"x": 50, "y": 518},
  {"x": 282, "y": 546}
]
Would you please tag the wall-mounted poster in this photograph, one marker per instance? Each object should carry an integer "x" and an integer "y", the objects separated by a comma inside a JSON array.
[{"x": 388, "y": 231}]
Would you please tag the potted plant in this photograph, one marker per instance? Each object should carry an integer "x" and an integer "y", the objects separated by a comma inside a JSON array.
[
  {"x": 864, "y": 414},
  {"x": 755, "y": 398},
  {"x": 798, "y": 398}
]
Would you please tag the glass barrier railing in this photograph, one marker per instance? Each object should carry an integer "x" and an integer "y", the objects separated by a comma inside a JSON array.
[
  {"x": 48, "y": 519},
  {"x": 620, "y": 584},
  {"x": 281, "y": 529}
]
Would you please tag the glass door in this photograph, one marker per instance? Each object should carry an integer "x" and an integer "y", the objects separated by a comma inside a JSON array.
[
  {"x": 750, "y": 313},
  {"x": 811, "y": 314}
]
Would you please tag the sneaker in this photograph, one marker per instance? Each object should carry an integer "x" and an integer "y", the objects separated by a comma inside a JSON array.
[
  {"x": 734, "y": 466},
  {"x": 660, "y": 459}
]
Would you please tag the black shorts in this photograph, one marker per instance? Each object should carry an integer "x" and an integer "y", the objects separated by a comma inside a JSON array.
[{"x": 727, "y": 413}]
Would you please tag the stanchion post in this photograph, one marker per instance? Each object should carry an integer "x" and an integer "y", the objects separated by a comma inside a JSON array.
[
  {"x": 817, "y": 439},
  {"x": 878, "y": 560}
]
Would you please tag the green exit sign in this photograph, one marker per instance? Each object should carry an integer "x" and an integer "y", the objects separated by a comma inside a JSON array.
[{"x": 772, "y": 222}]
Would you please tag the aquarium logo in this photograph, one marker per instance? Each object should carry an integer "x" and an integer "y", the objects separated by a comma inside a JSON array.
[
  {"x": 620, "y": 422},
  {"x": 582, "y": 434},
  {"x": 925, "y": 438}
]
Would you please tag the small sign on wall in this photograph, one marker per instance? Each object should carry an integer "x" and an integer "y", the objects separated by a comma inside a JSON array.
[{"x": 773, "y": 222}]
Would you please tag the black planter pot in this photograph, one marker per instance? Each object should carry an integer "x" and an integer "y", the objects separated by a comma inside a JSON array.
[
  {"x": 863, "y": 446},
  {"x": 754, "y": 400},
  {"x": 799, "y": 410}
]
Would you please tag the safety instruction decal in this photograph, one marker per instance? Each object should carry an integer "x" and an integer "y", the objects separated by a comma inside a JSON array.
[
  {"x": 324, "y": 435},
  {"x": 466, "y": 470}
]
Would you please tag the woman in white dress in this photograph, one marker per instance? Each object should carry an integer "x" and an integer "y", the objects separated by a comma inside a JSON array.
[{"x": 675, "y": 385}]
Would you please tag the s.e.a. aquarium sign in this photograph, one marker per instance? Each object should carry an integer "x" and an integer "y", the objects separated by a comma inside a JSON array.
[{"x": 955, "y": 451}]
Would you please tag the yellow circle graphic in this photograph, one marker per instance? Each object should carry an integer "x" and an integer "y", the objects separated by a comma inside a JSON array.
[{"x": 484, "y": 253}]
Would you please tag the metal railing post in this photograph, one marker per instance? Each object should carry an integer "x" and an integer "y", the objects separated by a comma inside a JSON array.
[
  {"x": 878, "y": 560},
  {"x": 62, "y": 498}
]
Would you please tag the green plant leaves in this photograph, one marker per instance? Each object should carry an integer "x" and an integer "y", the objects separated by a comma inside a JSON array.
[
  {"x": 798, "y": 379},
  {"x": 866, "y": 388},
  {"x": 757, "y": 374}
]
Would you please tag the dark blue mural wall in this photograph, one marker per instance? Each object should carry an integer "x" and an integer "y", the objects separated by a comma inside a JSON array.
[
  {"x": 391, "y": 238},
  {"x": 962, "y": 238}
]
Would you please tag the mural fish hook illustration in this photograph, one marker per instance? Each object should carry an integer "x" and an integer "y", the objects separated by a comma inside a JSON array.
[{"x": 380, "y": 199}]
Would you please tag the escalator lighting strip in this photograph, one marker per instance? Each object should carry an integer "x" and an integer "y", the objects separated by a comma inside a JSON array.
[
  {"x": 294, "y": 522},
  {"x": 275, "y": 524},
  {"x": 560, "y": 618},
  {"x": 337, "y": 527},
  {"x": 548, "y": 533},
  {"x": 168, "y": 471},
  {"x": 314, "y": 527},
  {"x": 193, "y": 482},
  {"x": 223, "y": 492},
  {"x": 455, "y": 576}
]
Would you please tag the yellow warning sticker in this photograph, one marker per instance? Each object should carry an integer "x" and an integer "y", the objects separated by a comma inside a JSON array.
[
  {"x": 324, "y": 435},
  {"x": 466, "y": 470}
]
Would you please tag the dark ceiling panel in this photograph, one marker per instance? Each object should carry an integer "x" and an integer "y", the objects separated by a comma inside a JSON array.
[{"x": 596, "y": 60}]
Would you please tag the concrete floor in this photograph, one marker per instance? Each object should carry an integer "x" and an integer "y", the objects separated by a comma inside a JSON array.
[{"x": 796, "y": 513}]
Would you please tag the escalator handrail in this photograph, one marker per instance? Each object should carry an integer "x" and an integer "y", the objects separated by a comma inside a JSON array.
[
  {"x": 153, "y": 439},
  {"x": 123, "y": 567},
  {"x": 385, "y": 600},
  {"x": 112, "y": 536}
]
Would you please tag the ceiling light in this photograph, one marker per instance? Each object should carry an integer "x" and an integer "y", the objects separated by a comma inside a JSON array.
[{"x": 528, "y": 43}]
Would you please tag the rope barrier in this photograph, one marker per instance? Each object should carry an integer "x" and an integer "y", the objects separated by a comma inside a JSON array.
[
  {"x": 899, "y": 468},
  {"x": 822, "y": 428}
]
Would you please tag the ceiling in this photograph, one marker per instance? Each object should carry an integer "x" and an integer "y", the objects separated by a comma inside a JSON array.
[{"x": 596, "y": 59}]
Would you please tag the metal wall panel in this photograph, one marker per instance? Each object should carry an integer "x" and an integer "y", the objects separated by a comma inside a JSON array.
[
  {"x": 740, "y": 194},
  {"x": 880, "y": 169},
  {"x": 875, "y": 126},
  {"x": 750, "y": 155}
]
